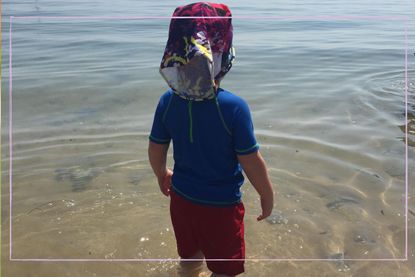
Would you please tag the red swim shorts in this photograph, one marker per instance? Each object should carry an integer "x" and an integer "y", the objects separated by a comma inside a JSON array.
[{"x": 216, "y": 231}]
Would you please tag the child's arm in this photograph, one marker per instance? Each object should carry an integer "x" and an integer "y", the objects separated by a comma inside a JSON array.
[
  {"x": 254, "y": 166},
  {"x": 157, "y": 154}
]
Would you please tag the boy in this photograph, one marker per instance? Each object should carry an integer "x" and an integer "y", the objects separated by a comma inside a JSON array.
[{"x": 213, "y": 137}]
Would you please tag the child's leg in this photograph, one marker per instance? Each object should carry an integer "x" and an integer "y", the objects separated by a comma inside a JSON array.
[
  {"x": 191, "y": 268},
  {"x": 222, "y": 230},
  {"x": 187, "y": 243}
]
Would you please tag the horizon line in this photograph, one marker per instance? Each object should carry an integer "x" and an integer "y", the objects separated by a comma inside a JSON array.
[{"x": 317, "y": 17}]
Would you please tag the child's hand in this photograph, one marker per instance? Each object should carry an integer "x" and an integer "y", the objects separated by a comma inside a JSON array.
[
  {"x": 165, "y": 182},
  {"x": 267, "y": 203}
]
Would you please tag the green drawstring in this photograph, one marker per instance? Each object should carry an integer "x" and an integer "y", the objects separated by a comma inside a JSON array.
[
  {"x": 221, "y": 117},
  {"x": 189, "y": 106}
]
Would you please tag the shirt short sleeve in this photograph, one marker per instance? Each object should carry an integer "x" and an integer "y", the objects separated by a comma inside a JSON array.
[
  {"x": 243, "y": 131},
  {"x": 159, "y": 134}
]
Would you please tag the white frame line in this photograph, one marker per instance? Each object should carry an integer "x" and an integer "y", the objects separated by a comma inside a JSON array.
[{"x": 404, "y": 18}]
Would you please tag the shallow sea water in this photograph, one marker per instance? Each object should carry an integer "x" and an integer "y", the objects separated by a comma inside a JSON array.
[{"x": 327, "y": 99}]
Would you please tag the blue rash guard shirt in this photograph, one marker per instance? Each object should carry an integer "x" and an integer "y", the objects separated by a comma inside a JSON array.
[{"x": 207, "y": 137}]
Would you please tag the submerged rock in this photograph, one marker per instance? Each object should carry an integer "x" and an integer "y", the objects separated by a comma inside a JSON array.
[
  {"x": 341, "y": 265},
  {"x": 135, "y": 179},
  {"x": 363, "y": 239},
  {"x": 277, "y": 218},
  {"x": 337, "y": 256},
  {"x": 340, "y": 201},
  {"x": 78, "y": 176},
  {"x": 56, "y": 206},
  {"x": 369, "y": 172}
]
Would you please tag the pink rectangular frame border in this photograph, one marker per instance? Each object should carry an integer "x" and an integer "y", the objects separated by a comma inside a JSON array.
[{"x": 399, "y": 18}]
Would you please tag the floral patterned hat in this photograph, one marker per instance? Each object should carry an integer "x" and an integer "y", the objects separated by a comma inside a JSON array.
[{"x": 199, "y": 50}]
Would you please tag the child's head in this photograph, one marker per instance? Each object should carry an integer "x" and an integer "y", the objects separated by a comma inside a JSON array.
[{"x": 199, "y": 50}]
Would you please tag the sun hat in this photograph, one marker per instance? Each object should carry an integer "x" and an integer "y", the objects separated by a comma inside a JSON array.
[{"x": 199, "y": 50}]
